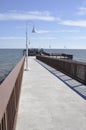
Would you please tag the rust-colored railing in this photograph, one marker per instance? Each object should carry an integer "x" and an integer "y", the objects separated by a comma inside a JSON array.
[
  {"x": 9, "y": 97},
  {"x": 75, "y": 69}
]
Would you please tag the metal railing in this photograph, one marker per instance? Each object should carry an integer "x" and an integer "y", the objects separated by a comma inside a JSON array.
[
  {"x": 75, "y": 69},
  {"x": 9, "y": 97}
]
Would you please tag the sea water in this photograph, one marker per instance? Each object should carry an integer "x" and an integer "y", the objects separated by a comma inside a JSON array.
[{"x": 8, "y": 59}]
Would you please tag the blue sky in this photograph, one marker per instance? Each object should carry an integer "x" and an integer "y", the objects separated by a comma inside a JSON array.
[{"x": 58, "y": 23}]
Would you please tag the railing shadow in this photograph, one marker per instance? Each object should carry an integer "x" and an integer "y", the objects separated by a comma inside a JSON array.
[{"x": 76, "y": 86}]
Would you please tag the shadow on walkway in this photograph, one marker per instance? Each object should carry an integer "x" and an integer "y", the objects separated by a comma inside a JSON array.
[{"x": 75, "y": 85}]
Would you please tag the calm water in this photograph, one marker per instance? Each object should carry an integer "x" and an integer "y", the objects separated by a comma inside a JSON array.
[
  {"x": 8, "y": 59},
  {"x": 78, "y": 54}
]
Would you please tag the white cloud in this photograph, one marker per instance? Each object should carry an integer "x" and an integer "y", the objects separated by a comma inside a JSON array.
[
  {"x": 12, "y": 38},
  {"x": 76, "y": 38},
  {"x": 64, "y": 31},
  {"x": 23, "y": 38},
  {"x": 43, "y": 31},
  {"x": 82, "y": 11},
  {"x": 44, "y": 13},
  {"x": 78, "y": 23},
  {"x": 44, "y": 38},
  {"x": 56, "y": 31},
  {"x": 32, "y": 15}
]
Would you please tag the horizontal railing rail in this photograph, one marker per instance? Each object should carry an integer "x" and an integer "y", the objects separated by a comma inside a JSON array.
[
  {"x": 75, "y": 69},
  {"x": 9, "y": 97}
]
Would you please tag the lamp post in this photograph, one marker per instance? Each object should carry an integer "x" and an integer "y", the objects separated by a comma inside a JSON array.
[
  {"x": 26, "y": 48},
  {"x": 33, "y": 31}
]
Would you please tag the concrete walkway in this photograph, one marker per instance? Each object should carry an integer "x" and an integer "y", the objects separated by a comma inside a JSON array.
[{"x": 46, "y": 103}]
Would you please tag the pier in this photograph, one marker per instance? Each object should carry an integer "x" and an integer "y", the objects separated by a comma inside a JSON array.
[
  {"x": 46, "y": 103},
  {"x": 49, "y": 99}
]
